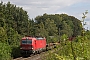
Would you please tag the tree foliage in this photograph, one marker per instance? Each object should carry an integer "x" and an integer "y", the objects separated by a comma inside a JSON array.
[
  {"x": 5, "y": 51},
  {"x": 68, "y": 25},
  {"x": 13, "y": 25}
]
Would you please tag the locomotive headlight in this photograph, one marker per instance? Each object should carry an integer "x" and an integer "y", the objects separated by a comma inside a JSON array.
[
  {"x": 20, "y": 48},
  {"x": 32, "y": 48}
]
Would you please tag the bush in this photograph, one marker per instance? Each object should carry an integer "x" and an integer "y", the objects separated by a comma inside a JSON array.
[
  {"x": 15, "y": 52},
  {"x": 5, "y": 51},
  {"x": 78, "y": 49}
]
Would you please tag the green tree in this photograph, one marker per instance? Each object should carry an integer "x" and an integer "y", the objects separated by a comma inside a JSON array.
[
  {"x": 50, "y": 27},
  {"x": 3, "y": 35},
  {"x": 41, "y": 31},
  {"x": 13, "y": 37},
  {"x": 5, "y": 51},
  {"x": 65, "y": 29}
]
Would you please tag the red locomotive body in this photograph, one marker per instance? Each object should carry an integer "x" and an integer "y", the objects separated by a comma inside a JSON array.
[{"x": 32, "y": 44}]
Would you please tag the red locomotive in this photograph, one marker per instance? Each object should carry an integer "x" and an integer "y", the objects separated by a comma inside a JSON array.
[{"x": 32, "y": 44}]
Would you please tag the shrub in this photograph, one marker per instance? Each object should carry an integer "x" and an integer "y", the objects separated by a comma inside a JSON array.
[{"x": 5, "y": 51}]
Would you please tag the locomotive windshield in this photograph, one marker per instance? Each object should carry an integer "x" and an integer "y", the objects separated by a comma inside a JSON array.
[{"x": 26, "y": 41}]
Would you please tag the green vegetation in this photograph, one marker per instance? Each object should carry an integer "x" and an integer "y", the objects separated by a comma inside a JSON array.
[
  {"x": 15, "y": 23},
  {"x": 78, "y": 49},
  {"x": 5, "y": 51}
]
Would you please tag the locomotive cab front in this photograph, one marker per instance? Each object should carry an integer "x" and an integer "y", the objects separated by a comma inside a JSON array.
[{"x": 26, "y": 45}]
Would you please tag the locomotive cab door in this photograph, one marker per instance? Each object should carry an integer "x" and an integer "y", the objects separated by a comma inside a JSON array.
[{"x": 35, "y": 45}]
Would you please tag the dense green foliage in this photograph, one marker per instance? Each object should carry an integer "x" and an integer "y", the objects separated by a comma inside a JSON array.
[
  {"x": 5, "y": 51},
  {"x": 15, "y": 23},
  {"x": 65, "y": 24},
  {"x": 78, "y": 49}
]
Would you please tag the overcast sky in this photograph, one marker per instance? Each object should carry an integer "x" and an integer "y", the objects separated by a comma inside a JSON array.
[{"x": 70, "y": 7}]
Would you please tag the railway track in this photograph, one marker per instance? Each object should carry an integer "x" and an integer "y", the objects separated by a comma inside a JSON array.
[
  {"x": 32, "y": 57},
  {"x": 36, "y": 57},
  {"x": 40, "y": 56}
]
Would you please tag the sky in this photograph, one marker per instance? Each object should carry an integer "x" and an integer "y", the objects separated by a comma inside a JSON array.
[{"x": 39, "y": 7}]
